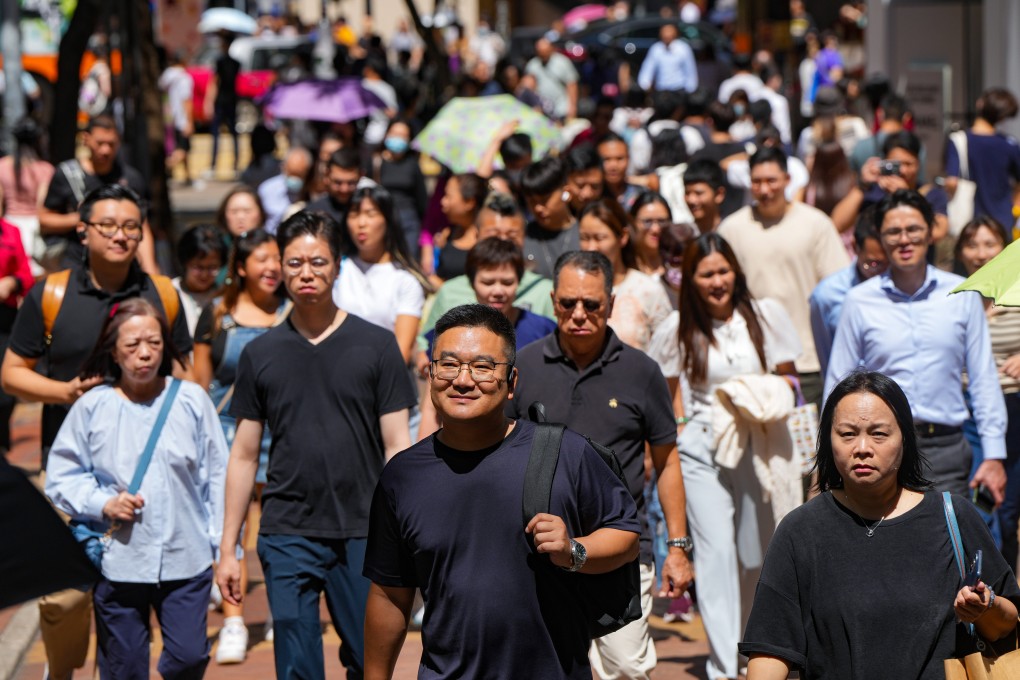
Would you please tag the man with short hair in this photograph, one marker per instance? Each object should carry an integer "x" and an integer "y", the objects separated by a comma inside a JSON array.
[
  {"x": 590, "y": 381},
  {"x": 555, "y": 81},
  {"x": 342, "y": 179},
  {"x": 785, "y": 249},
  {"x": 827, "y": 298},
  {"x": 280, "y": 192},
  {"x": 704, "y": 193},
  {"x": 585, "y": 179},
  {"x": 669, "y": 64},
  {"x": 554, "y": 230},
  {"x": 59, "y": 215},
  {"x": 446, "y": 518},
  {"x": 110, "y": 229},
  {"x": 905, "y": 324},
  {"x": 334, "y": 392}
]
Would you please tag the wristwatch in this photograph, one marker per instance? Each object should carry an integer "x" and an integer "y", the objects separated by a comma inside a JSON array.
[
  {"x": 578, "y": 556},
  {"x": 684, "y": 542}
]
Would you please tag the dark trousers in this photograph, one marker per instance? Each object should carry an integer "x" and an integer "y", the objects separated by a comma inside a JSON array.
[
  {"x": 224, "y": 115},
  {"x": 122, "y": 622},
  {"x": 949, "y": 457},
  {"x": 297, "y": 570},
  {"x": 1009, "y": 511},
  {"x": 812, "y": 385}
]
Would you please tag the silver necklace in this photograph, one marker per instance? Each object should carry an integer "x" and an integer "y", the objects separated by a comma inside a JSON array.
[{"x": 870, "y": 530}]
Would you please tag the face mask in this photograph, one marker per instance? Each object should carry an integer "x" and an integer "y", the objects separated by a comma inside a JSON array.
[
  {"x": 739, "y": 110},
  {"x": 628, "y": 134},
  {"x": 395, "y": 144},
  {"x": 294, "y": 184}
]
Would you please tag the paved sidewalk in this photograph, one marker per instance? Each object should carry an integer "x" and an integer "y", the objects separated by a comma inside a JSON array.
[{"x": 681, "y": 647}]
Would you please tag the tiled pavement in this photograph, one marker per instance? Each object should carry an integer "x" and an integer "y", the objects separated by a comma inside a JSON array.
[{"x": 681, "y": 647}]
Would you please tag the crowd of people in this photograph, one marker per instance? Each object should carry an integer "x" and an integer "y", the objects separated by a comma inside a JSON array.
[{"x": 353, "y": 362}]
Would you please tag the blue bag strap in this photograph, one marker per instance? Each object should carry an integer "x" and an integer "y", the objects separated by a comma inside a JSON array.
[
  {"x": 150, "y": 446},
  {"x": 954, "y": 531}
]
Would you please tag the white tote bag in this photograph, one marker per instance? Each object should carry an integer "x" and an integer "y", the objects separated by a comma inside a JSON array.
[{"x": 961, "y": 205}]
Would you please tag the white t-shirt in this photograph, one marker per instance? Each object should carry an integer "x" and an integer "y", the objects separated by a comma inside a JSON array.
[
  {"x": 178, "y": 85},
  {"x": 733, "y": 353},
  {"x": 378, "y": 293},
  {"x": 640, "y": 306}
]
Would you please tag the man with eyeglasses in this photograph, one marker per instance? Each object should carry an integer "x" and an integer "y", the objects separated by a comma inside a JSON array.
[
  {"x": 110, "y": 228},
  {"x": 593, "y": 383},
  {"x": 827, "y": 298},
  {"x": 446, "y": 518},
  {"x": 333, "y": 390},
  {"x": 905, "y": 324}
]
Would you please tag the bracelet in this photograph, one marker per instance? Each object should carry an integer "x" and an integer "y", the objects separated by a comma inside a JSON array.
[
  {"x": 683, "y": 420},
  {"x": 991, "y": 599}
]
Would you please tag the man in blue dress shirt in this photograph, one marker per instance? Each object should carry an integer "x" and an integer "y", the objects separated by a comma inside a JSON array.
[
  {"x": 905, "y": 324},
  {"x": 669, "y": 64},
  {"x": 826, "y": 301}
]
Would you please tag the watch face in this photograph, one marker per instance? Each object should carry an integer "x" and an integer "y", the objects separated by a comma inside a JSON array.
[{"x": 578, "y": 554}]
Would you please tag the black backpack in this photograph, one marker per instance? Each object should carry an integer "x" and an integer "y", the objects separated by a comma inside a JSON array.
[{"x": 608, "y": 601}]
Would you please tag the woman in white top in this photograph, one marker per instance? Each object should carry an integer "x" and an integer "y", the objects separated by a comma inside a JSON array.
[
  {"x": 640, "y": 302},
  {"x": 379, "y": 280},
  {"x": 719, "y": 333}
]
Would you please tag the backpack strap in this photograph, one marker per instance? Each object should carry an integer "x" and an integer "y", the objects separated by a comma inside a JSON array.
[
  {"x": 75, "y": 178},
  {"x": 954, "y": 531},
  {"x": 167, "y": 296},
  {"x": 150, "y": 445},
  {"x": 538, "y": 479},
  {"x": 53, "y": 296}
]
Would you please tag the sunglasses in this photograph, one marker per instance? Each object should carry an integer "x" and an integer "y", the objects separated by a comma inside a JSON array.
[{"x": 569, "y": 304}]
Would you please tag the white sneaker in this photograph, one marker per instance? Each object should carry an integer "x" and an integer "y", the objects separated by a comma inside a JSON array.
[
  {"x": 233, "y": 643},
  {"x": 215, "y": 598}
]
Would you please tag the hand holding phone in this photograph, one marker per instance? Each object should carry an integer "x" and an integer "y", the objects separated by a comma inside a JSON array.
[{"x": 974, "y": 575}]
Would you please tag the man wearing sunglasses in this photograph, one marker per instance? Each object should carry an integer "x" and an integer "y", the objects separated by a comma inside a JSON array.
[
  {"x": 446, "y": 518},
  {"x": 110, "y": 228},
  {"x": 905, "y": 324},
  {"x": 594, "y": 384}
]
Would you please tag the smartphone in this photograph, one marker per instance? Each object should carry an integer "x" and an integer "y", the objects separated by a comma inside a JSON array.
[
  {"x": 888, "y": 167},
  {"x": 974, "y": 575},
  {"x": 981, "y": 497}
]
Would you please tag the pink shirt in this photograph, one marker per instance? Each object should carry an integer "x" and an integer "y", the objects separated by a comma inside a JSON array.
[{"x": 34, "y": 174}]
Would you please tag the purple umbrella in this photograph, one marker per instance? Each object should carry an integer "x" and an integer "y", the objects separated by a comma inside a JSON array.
[{"x": 334, "y": 101}]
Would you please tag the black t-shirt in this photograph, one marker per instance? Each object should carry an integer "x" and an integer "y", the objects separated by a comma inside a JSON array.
[
  {"x": 60, "y": 198},
  {"x": 76, "y": 330},
  {"x": 842, "y": 605},
  {"x": 621, "y": 401},
  {"x": 449, "y": 522},
  {"x": 227, "y": 69},
  {"x": 337, "y": 211},
  {"x": 322, "y": 403},
  {"x": 542, "y": 247}
]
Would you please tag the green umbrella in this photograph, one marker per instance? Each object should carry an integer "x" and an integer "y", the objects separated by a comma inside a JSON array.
[
  {"x": 463, "y": 129},
  {"x": 999, "y": 278}
]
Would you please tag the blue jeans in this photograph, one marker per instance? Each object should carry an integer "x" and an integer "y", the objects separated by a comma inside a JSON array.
[
  {"x": 297, "y": 570},
  {"x": 122, "y": 626}
]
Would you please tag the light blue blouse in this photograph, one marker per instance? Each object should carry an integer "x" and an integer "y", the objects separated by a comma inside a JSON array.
[{"x": 176, "y": 534}]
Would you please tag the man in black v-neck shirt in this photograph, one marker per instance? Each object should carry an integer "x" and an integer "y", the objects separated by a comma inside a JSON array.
[{"x": 333, "y": 390}]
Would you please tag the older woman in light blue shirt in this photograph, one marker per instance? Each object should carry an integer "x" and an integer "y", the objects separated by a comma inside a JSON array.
[{"x": 164, "y": 536}]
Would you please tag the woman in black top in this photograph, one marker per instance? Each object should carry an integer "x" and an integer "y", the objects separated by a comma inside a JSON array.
[
  {"x": 862, "y": 582},
  {"x": 465, "y": 194},
  {"x": 396, "y": 168}
]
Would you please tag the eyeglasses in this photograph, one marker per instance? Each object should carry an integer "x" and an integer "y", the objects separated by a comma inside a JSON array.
[
  {"x": 650, "y": 222},
  {"x": 915, "y": 234},
  {"x": 205, "y": 269},
  {"x": 873, "y": 265},
  {"x": 480, "y": 371},
  {"x": 132, "y": 230},
  {"x": 569, "y": 304}
]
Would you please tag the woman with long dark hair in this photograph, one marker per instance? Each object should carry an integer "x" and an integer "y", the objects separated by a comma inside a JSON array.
[
  {"x": 720, "y": 333},
  {"x": 862, "y": 581},
  {"x": 24, "y": 179},
  {"x": 831, "y": 178},
  {"x": 379, "y": 280},
  {"x": 463, "y": 199},
  {"x": 250, "y": 305},
  {"x": 396, "y": 168}
]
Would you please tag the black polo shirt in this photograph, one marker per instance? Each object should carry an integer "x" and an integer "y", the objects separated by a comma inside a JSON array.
[
  {"x": 621, "y": 401},
  {"x": 76, "y": 330}
]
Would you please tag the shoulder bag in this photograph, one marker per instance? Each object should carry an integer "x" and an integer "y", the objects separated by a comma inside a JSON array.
[
  {"x": 961, "y": 205},
  {"x": 607, "y": 601},
  {"x": 975, "y": 666},
  {"x": 95, "y": 543}
]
